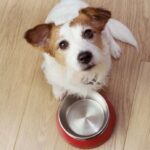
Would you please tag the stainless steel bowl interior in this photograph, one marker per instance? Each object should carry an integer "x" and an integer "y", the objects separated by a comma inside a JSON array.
[{"x": 83, "y": 118}]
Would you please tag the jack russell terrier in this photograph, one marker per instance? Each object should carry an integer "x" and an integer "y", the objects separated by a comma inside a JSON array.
[{"x": 77, "y": 42}]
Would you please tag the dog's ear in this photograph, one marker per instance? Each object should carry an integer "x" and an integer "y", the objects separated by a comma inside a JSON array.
[
  {"x": 39, "y": 35},
  {"x": 98, "y": 16}
]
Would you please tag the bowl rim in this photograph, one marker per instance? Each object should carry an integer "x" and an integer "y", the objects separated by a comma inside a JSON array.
[{"x": 93, "y": 96}]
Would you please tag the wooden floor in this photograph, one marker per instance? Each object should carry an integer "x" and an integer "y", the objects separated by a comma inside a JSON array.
[{"x": 27, "y": 107}]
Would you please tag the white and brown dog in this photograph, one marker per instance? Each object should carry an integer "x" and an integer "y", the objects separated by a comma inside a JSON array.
[{"x": 77, "y": 43}]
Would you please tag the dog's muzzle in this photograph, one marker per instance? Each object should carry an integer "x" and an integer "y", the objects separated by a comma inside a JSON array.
[{"x": 84, "y": 59}]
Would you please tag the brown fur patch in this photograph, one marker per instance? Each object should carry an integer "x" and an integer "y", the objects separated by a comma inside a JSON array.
[
  {"x": 45, "y": 37},
  {"x": 85, "y": 18},
  {"x": 38, "y": 35},
  {"x": 54, "y": 49},
  {"x": 81, "y": 19},
  {"x": 94, "y": 17}
]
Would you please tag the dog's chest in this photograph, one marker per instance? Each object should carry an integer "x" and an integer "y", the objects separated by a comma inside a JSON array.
[
  {"x": 91, "y": 82},
  {"x": 74, "y": 82}
]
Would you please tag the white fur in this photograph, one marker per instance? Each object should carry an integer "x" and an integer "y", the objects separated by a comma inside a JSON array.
[
  {"x": 120, "y": 32},
  {"x": 65, "y": 11},
  {"x": 71, "y": 78},
  {"x": 113, "y": 46},
  {"x": 77, "y": 45}
]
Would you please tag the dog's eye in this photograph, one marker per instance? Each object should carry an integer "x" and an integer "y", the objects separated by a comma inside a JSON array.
[
  {"x": 63, "y": 44},
  {"x": 88, "y": 34}
]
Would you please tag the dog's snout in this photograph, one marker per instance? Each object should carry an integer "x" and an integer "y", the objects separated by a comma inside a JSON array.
[{"x": 85, "y": 57}]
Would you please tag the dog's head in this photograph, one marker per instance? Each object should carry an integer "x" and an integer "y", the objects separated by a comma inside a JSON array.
[{"x": 76, "y": 44}]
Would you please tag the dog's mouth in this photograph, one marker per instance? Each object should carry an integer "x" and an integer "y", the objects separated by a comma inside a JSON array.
[{"x": 88, "y": 67}]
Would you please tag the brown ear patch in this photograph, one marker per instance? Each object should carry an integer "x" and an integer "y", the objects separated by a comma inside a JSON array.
[
  {"x": 96, "y": 17},
  {"x": 38, "y": 35},
  {"x": 96, "y": 14}
]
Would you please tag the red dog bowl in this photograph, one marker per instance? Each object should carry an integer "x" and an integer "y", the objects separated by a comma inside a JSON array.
[{"x": 86, "y": 122}]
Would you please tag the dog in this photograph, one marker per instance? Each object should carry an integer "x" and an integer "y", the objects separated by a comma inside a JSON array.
[{"x": 78, "y": 43}]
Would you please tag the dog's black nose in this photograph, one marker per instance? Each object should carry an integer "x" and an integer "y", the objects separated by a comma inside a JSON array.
[{"x": 85, "y": 57}]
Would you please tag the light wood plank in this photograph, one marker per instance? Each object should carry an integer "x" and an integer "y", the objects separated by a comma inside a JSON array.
[
  {"x": 27, "y": 108},
  {"x": 16, "y": 69},
  {"x": 138, "y": 135},
  {"x": 15, "y": 74},
  {"x": 38, "y": 129}
]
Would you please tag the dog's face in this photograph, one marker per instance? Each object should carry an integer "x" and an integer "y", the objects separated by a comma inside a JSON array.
[{"x": 76, "y": 44}]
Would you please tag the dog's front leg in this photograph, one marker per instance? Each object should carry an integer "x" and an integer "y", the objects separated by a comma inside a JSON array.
[
  {"x": 114, "y": 47},
  {"x": 59, "y": 92}
]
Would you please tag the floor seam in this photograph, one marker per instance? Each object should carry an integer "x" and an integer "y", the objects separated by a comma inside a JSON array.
[
  {"x": 132, "y": 107},
  {"x": 14, "y": 147}
]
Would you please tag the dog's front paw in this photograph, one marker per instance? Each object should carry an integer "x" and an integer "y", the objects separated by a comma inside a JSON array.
[
  {"x": 59, "y": 93},
  {"x": 115, "y": 50}
]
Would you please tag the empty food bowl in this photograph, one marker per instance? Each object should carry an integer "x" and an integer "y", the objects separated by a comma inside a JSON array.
[{"x": 86, "y": 122}]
